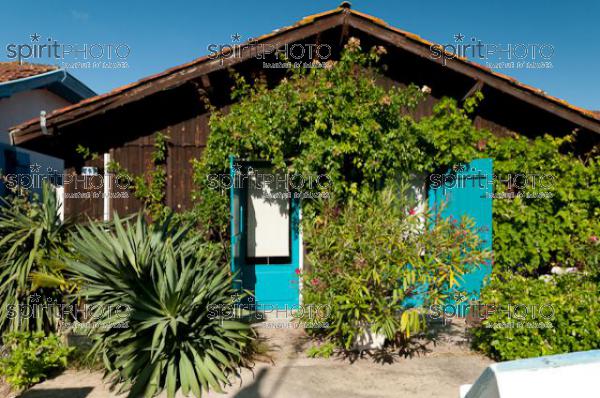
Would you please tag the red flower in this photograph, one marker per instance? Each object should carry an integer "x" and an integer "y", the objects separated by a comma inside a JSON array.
[
  {"x": 297, "y": 271},
  {"x": 412, "y": 212},
  {"x": 314, "y": 282}
]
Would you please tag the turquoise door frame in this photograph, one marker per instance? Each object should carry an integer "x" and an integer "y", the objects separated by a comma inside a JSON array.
[
  {"x": 468, "y": 192},
  {"x": 274, "y": 284}
]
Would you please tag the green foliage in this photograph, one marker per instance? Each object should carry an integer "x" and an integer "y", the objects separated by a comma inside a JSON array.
[
  {"x": 33, "y": 245},
  {"x": 369, "y": 257},
  {"x": 533, "y": 234},
  {"x": 150, "y": 188},
  {"x": 30, "y": 357},
  {"x": 339, "y": 121},
  {"x": 164, "y": 280},
  {"x": 324, "y": 350},
  {"x": 569, "y": 304},
  {"x": 86, "y": 153},
  {"x": 336, "y": 121}
]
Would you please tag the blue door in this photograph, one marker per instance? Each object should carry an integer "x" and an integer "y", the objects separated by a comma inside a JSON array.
[
  {"x": 265, "y": 238},
  {"x": 468, "y": 191}
]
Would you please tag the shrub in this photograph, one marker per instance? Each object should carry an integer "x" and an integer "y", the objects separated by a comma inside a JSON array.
[
  {"x": 563, "y": 315},
  {"x": 531, "y": 235},
  {"x": 367, "y": 259},
  {"x": 33, "y": 244},
  {"x": 161, "y": 280},
  {"x": 30, "y": 357}
]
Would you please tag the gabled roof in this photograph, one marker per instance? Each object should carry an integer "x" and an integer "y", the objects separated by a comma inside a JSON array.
[
  {"x": 17, "y": 70},
  {"x": 311, "y": 25},
  {"x": 16, "y": 77}
]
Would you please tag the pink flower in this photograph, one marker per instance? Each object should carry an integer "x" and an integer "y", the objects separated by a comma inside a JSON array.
[
  {"x": 412, "y": 212},
  {"x": 314, "y": 282},
  {"x": 593, "y": 238},
  {"x": 297, "y": 271}
]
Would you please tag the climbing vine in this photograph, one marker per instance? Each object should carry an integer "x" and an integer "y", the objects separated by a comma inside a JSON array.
[
  {"x": 340, "y": 122},
  {"x": 533, "y": 232},
  {"x": 335, "y": 121}
]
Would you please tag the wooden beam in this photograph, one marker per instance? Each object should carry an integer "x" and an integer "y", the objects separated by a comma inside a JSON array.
[{"x": 478, "y": 86}]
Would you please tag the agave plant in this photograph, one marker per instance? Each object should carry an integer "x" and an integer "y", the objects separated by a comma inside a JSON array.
[
  {"x": 165, "y": 283},
  {"x": 33, "y": 244}
]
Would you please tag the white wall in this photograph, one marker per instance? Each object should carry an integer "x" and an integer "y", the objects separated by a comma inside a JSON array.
[
  {"x": 26, "y": 105},
  {"x": 16, "y": 109}
]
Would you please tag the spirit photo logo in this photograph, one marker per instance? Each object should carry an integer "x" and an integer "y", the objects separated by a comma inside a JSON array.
[
  {"x": 87, "y": 55},
  {"x": 77, "y": 186},
  {"x": 256, "y": 178},
  {"x": 291, "y": 52},
  {"x": 496, "y": 55},
  {"x": 463, "y": 176}
]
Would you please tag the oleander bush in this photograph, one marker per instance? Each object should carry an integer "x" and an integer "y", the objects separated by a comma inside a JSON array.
[
  {"x": 152, "y": 288},
  {"x": 29, "y": 357},
  {"x": 367, "y": 259}
]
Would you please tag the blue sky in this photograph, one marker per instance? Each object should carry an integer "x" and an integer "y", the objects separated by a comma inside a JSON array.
[{"x": 162, "y": 34}]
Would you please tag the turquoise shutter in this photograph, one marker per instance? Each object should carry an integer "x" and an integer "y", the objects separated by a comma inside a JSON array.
[{"x": 470, "y": 195}]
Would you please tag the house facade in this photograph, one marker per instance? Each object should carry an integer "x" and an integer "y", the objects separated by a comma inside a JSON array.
[
  {"x": 121, "y": 126},
  {"x": 31, "y": 91}
]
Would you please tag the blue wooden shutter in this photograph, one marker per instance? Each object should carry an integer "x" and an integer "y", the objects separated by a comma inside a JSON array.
[{"x": 470, "y": 194}]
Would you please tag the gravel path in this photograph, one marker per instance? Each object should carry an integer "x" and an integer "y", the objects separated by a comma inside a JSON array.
[{"x": 436, "y": 373}]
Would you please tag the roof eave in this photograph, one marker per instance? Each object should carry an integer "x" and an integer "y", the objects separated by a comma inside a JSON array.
[
  {"x": 368, "y": 24},
  {"x": 58, "y": 80},
  {"x": 30, "y": 129}
]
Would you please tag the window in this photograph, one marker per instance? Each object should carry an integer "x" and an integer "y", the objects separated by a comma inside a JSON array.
[{"x": 268, "y": 217}]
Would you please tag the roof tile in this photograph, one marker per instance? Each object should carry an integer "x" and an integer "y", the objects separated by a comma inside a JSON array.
[{"x": 14, "y": 70}]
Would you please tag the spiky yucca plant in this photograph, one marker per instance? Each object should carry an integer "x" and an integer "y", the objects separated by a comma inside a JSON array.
[
  {"x": 168, "y": 280},
  {"x": 33, "y": 244}
]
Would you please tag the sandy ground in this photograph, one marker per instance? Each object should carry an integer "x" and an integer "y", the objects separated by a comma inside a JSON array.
[{"x": 438, "y": 371}]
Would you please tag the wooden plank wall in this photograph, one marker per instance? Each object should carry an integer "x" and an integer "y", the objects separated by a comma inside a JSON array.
[
  {"x": 83, "y": 194},
  {"x": 186, "y": 142}
]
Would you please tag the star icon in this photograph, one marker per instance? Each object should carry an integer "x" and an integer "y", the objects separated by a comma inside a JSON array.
[
  {"x": 35, "y": 168},
  {"x": 35, "y": 37},
  {"x": 459, "y": 37},
  {"x": 35, "y": 298},
  {"x": 237, "y": 168},
  {"x": 236, "y": 37}
]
